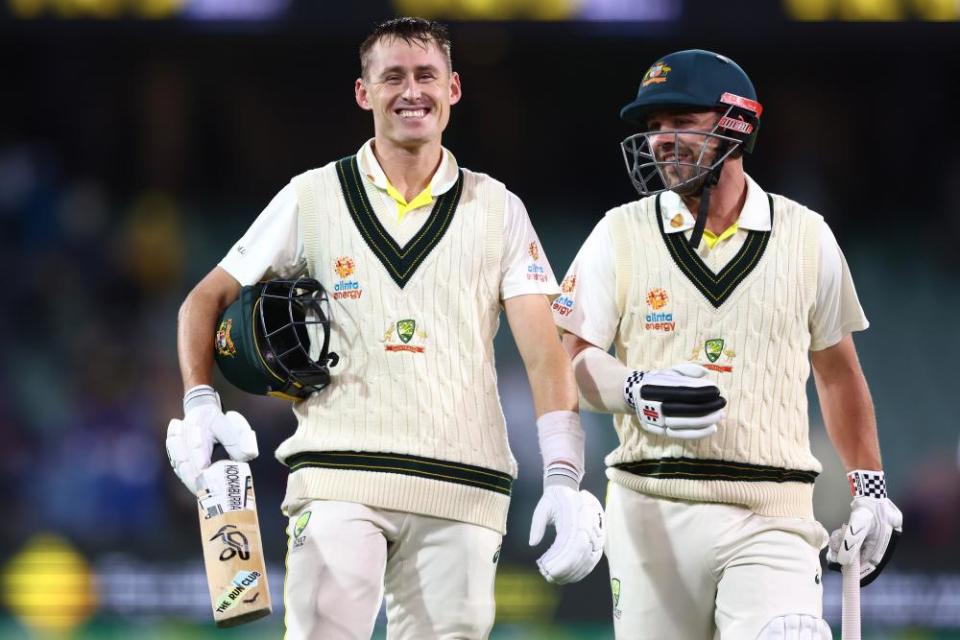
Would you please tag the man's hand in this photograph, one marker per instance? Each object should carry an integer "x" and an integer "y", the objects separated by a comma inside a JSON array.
[
  {"x": 874, "y": 527},
  {"x": 675, "y": 402},
  {"x": 190, "y": 441},
  {"x": 578, "y": 518}
]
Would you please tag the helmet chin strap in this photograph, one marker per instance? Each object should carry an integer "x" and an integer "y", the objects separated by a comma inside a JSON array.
[{"x": 711, "y": 181}]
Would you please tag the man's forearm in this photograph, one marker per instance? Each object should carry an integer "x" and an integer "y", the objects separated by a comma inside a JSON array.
[
  {"x": 551, "y": 382},
  {"x": 196, "y": 325},
  {"x": 851, "y": 423},
  {"x": 601, "y": 378},
  {"x": 195, "y": 335},
  {"x": 847, "y": 406}
]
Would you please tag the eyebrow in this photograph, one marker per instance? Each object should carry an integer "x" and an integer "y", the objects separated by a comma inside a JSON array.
[{"x": 401, "y": 69}]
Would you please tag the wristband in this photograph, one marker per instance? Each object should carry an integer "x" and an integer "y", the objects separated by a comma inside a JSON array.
[
  {"x": 868, "y": 484},
  {"x": 561, "y": 443},
  {"x": 198, "y": 396}
]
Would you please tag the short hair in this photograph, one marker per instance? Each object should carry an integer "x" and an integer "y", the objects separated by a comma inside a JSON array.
[{"x": 410, "y": 30}]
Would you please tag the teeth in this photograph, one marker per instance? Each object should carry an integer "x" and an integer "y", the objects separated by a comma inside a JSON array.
[{"x": 412, "y": 113}]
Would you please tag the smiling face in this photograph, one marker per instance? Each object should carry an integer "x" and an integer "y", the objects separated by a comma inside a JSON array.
[
  {"x": 680, "y": 153},
  {"x": 410, "y": 88}
]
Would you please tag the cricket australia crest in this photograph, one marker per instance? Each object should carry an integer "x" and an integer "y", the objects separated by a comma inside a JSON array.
[
  {"x": 713, "y": 348},
  {"x": 404, "y": 335},
  {"x": 714, "y": 354}
]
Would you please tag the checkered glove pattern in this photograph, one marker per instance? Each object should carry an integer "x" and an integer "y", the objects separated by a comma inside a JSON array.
[
  {"x": 633, "y": 380},
  {"x": 867, "y": 483},
  {"x": 875, "y": 526},
  {"x": 678, "y": 402}
]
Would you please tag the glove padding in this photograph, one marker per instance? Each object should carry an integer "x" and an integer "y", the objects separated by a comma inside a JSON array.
[
  {"x": 875, "y": 525},
  {"x": 190, "y": 441},
  {"x": 675, "y": 402},
  {"x": 578, "y": 518}
]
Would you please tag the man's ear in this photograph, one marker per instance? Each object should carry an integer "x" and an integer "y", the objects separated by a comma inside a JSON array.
[
  {"x": 360, "y": 93},
  {"x": 456, "y": 91}
]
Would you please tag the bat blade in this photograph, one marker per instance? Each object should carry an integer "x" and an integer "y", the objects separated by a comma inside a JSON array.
[{"x": 232, "y": 550}]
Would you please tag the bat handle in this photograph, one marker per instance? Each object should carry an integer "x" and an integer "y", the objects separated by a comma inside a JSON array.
[{"x": 850, "y": 625}]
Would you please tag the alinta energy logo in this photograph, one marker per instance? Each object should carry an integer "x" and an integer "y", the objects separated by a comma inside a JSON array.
[
  {"x": 534, "y": 270},
  {"x": 344, "y": 267},
  {"x": 534, "y": 251},
  {"x": 657, "y": 320},
  {"x": 564, "y": 304}
]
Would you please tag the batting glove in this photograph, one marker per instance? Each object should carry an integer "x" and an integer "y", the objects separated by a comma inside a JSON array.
[
  {"x": 190, "y": 441},
  {"x": 675, "y": 402},
  {"x": 578, "y": 518},
  {"x": 874, "y": 528}
]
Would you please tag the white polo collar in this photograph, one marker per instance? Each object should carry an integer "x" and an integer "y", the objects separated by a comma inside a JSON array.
[
  {"x": 443, "y": 179},
  {"x": 755, "y": 214}
]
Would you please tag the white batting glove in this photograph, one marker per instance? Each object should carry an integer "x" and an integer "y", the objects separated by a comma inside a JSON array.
[
  {"x": 578, "y": 518},
  {"x": 675, "y": 402},
  {"x": 190, "y": 441},
  {"x": 874, "y": 527}
]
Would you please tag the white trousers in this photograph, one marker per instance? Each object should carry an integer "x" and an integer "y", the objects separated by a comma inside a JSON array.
[
  {"x": 698, "y": 571},
  {"x": 437, "y": 575}
]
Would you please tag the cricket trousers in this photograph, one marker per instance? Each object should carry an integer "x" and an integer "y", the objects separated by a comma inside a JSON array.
[
  {"x": 701, "y": 571},
  {"x": 343, "y": 558}
]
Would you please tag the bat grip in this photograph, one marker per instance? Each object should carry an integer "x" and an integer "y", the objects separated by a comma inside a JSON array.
[{"x": 850, "y": 624}]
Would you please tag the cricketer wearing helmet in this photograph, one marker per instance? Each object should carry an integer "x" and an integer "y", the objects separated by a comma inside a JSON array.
[
  {"x": 400, "y": 468},
  {"x": 718, "y": 297}
]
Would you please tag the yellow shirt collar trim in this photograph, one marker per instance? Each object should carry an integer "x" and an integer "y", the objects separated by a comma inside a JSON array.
[
  {"x": 422, "y": 199},
  {"x": 713, "y": 239}
]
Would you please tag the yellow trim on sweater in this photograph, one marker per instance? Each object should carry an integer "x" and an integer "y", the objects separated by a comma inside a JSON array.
[
  {"x": 422, "y": 199},
  {"x": 712, "y": 239}
]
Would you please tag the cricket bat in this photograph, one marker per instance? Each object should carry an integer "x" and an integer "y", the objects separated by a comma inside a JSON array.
[
  {"x": 232, "y": 551},
  {"x": 850, "y": 620}
]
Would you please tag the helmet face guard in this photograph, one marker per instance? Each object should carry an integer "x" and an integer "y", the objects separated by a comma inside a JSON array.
[
  {"x": 736, "y": 127},
  {"x": 275, "y": 339},
  {"x": 651, "y": 176},
  {"x": 293, "y": 315}
]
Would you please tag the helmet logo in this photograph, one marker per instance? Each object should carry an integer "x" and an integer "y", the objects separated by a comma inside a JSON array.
[
  {"x": 655, "y": 74},
  {"x": 223, "y": 342}
]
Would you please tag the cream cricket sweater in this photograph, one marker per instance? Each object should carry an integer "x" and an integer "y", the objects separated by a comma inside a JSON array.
[
  {"x": 412, "y": 419},
  {"x": 749, "y": 325}
]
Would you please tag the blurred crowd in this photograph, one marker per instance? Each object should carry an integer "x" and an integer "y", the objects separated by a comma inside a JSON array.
[{"x": 126, "y": 173}]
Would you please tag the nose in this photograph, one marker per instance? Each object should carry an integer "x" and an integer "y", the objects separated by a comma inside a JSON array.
[
  {"x": 412, "y": 91},
  {"x": 661, "y": 139}
]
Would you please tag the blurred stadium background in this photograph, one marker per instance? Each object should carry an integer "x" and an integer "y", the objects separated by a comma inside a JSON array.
[{"x": 139, "y": 138}]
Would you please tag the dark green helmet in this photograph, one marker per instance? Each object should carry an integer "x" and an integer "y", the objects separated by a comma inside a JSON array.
[
  {"x": 275, "y": 338},
  {"x": 694, "y": 80},
  {"x": 699, "y": 79}
]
